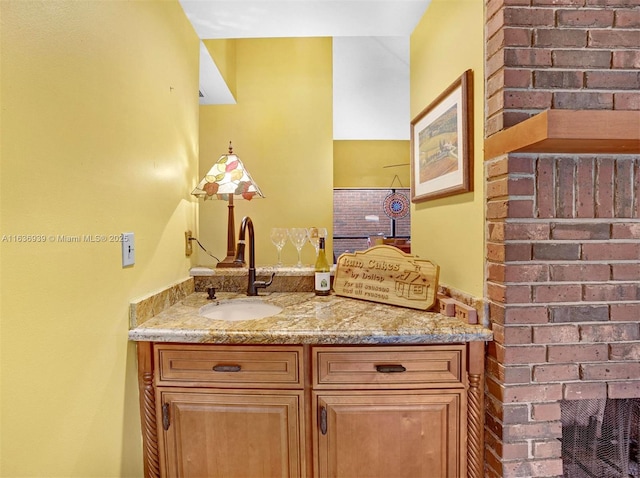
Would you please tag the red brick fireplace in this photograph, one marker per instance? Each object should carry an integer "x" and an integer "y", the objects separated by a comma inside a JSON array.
[{"x": 562, "y": 232}]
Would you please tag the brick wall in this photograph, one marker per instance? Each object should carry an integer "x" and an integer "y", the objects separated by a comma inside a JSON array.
[
  {"x": 563, "y": 269},
  {"x": 563, "y": 231},
  {"x": 565, "y": 54},
  {"x": 350, "y": 206}
]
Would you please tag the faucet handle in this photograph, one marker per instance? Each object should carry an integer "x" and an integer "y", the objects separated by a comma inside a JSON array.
[
  {"x": 262, "y": 284},
  {"x": 267, "y": 284},
  {"x": 212, "y": 292}
]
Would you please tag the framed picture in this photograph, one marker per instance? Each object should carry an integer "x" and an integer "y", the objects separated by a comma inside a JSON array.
[{"x": 442, "y": 144}]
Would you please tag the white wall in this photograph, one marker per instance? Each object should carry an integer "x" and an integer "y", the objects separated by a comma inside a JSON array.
[{"x": 371, "y": 88}]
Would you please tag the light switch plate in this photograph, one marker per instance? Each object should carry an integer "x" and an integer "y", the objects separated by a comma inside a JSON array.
[{"x": 128, "y": 249}]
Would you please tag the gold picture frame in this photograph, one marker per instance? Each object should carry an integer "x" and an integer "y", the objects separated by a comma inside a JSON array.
[{"x": 442, "y": 144}]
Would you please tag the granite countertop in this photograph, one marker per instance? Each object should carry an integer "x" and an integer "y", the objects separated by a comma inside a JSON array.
[{"x": 306, "y": 319}]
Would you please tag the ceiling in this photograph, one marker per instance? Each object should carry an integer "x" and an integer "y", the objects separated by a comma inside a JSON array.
[
  {"x": 362, "y": 30},
  {"x": 303, "y": 18}
]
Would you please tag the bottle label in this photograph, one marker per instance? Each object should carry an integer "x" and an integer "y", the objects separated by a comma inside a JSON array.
[{"x": 323, "y": 281}]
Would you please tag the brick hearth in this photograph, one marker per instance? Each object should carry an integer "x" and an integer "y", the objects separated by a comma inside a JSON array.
[{"x": 563, "y": 296}]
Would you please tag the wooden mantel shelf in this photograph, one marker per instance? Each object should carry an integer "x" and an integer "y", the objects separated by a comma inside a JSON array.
[{"x": 570, "y": 131}]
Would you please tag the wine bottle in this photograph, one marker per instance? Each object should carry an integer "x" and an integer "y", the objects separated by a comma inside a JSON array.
[{"x": 322, "y": 271}]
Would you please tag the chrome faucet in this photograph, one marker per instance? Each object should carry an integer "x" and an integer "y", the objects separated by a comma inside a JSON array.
[{"x": 253, "y": 285}]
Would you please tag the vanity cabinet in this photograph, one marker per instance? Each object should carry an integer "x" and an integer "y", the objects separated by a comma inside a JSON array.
[
  {"x": 224, "y": 411},
  {"x": 389, "y": 411},
  {"x": 310, "y": 411}
]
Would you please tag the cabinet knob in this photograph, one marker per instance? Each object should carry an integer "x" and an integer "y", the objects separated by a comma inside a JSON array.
[
  {"x": 165, "y": 416},
  {"x": 390, "y": 368},
  {"x": 227, "y": 368},
  {"x": 323, "y": 420}
]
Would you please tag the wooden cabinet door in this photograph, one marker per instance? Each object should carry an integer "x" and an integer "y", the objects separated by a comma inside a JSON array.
[
  {"x": 388, "y": 434},
  {"x": 218, "y": 433}
]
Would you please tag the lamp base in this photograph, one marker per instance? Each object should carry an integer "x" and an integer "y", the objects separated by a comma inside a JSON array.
[{"x": 229, "y": 262}]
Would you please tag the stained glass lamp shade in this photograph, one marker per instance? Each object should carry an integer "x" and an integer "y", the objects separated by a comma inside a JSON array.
[{"x": 228, "y": 180}]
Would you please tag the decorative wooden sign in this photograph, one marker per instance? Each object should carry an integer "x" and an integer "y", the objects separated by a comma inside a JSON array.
[{"x": 388, "y": 275}]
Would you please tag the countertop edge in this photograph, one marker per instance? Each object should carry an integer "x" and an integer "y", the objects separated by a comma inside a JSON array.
[{"x": 297, "y": 338}]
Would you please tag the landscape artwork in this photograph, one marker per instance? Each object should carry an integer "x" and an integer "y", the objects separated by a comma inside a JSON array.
[
  {"x": 441, "y": 145},
  {"x": 438, "y": 146}
]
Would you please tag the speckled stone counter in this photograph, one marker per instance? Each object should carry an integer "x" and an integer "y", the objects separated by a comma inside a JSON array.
[{"x": 305, "y": 319}]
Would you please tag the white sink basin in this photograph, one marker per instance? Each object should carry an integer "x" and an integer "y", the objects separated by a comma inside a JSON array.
[{"x": 239, "y": 309}]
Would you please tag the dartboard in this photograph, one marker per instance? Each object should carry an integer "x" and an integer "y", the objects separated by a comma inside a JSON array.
[{"x": 396, "y": 206}]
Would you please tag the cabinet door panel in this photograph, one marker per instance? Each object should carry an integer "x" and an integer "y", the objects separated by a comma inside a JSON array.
[
  {"x": 389, "y": 434},
  {"x": 218, "y": 434}
]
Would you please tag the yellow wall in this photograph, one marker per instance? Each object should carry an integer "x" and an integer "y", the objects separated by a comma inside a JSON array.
[
  {"x": 223, "y": 53},
  {"x": 99, "y": 136},
  {"x": 371, "y": 164},
  {"x": 447, "y": 41},
  {"x": 281, "y": 128}
]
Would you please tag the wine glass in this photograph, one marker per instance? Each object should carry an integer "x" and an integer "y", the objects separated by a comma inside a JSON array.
[
  {"x": 315, "y": 233},
  {"x": 298, "y": 236},
  {"x": 279, "y": 239}
]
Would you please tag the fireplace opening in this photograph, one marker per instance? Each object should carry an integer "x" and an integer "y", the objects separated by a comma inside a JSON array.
[{"x": 600, "y": 438}]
